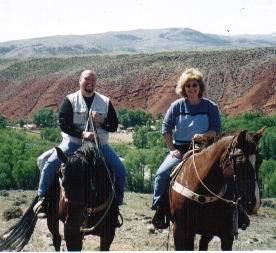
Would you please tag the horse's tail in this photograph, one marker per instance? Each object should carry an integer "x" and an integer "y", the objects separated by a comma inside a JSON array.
[{"x": 19, "y": 234}]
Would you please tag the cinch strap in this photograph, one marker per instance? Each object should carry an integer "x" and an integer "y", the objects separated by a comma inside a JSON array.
[{"x": 202, "y": 199}]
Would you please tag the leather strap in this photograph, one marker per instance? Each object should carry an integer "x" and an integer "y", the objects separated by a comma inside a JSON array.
[{"x": 202, "y": 199}]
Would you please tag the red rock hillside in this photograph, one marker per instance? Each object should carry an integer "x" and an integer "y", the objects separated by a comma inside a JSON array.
[{"x": 238, "y": 80}]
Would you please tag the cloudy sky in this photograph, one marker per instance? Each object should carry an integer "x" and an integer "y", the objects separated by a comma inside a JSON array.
[{"x": 20, "y": 19}]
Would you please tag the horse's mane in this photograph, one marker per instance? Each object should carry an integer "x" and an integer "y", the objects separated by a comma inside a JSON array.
[
  {"x": 218, "y": 137},
  {"x": 86, "y": 153},
  {"x": 249, "y": 142},
  {"x": 87, "y": 149}
]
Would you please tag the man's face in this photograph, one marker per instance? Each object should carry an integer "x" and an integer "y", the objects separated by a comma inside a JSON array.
[{"x": 88, "y": 83}]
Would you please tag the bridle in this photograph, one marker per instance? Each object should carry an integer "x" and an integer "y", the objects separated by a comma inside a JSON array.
[
  {"x": 88, "y": 211},
  {"x": 228, "y": 162},
  {"x": 227, "y": 154}
]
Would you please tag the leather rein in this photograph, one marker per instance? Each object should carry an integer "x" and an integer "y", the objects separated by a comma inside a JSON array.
[
  {"x": 107, "y": 204},
  {"x": 203, "y": 199}
]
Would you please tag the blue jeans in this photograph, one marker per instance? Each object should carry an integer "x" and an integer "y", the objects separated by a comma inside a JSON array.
[
  {"x": 162, "y": 178},
  {"x": 52, "y": 165},
  {"x": 114, "y": 163}
]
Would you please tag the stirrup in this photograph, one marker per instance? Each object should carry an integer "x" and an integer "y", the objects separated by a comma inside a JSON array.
[
  {"x": 161, "y": 220},
  {"x": 119, "y": 222}
]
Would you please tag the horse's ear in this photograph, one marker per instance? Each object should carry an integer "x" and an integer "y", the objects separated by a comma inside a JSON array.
[
  {"x": 241, "y": 137},
  {"x": 257, "y": 136},
  {"x": 61, "y": 155}
]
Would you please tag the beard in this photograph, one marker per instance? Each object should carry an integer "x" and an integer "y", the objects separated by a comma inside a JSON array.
[{"x": 89, "y": 89}]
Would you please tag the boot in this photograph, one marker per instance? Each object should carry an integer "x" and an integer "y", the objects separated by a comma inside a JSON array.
[
  {"x": 40, "y": 208},
  {"x": 243, "y": 219},
  {"x": 161, "y": 218}
]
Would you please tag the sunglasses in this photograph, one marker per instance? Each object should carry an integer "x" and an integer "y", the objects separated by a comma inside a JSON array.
[{"x": 194, "y": 85}]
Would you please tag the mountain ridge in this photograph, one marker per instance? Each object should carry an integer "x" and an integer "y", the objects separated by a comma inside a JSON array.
[{"x": 130, "y": 42}]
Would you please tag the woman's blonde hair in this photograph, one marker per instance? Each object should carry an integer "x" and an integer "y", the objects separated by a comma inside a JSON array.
[{"x": 187, "y": 75}]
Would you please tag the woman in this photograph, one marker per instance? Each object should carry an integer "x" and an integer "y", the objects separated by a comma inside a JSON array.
[{"x": 190, "y": 117}]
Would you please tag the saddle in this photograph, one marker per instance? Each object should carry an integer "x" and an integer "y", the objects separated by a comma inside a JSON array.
[{"x": 161, "y": 218}]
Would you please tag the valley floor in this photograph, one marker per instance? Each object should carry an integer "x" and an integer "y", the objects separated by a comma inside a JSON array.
[{"x": 137, "y": 233}]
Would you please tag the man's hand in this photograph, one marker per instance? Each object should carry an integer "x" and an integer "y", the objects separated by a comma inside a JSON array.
[
  {"x": 97, "y": 117},
  {"x": 88, "y": 136}
]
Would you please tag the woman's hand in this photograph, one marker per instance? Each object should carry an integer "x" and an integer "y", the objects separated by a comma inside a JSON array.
[
  {"x": 204, "y": 137},
  {"x": 176, "y": 153},
  {"x": 200, "y": 138}
]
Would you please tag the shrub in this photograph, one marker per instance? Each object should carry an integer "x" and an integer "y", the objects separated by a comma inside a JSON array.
[
  {"x": 12, "y": 213},
  {"x": 4, "y": 193}
]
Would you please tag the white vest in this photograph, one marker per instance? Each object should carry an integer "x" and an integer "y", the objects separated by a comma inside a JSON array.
[{"x": 80, "y": 115}]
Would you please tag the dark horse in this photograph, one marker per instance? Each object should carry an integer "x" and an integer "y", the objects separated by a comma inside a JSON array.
[
  {"x": 210, "y": 186},
  {"x": 83, "y": 200}
]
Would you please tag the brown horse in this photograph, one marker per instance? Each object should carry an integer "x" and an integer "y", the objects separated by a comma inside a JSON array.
[
  {"x": 83, "y": 200},
  {"x": 209, "y": 186}
]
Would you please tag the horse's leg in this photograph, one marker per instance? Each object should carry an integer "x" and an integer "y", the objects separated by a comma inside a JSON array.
[
  {"x": 204, "y": 241},
  {"x": 52, "y": 214},
  {"x": 183, "y": 238},
  {"x": 72, "y": 234},
  {"x": 54, "y": 229},
  {"x": 53, "y": 225},
  {"x": 107, "y": 238},
  {"x": 108, "y": 228},
  {"x": 227, "y": 242}
]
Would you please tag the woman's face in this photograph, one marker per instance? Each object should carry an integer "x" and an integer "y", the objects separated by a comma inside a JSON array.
[{"x": 192, "y": 89}]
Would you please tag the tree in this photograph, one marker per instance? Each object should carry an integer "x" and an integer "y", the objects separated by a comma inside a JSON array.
[
  {"x": 267, "y": 144},
  {"x": 19, "y": 151},
  {"x": 155, "y": 140},
  {"x": 22, "y": 122},
  {"x": 135, "y": 161},
  {"x": 3, "y": 122},
  {"x": 45, "y": 118},
  {"x": 268, "y": 178},
  {"x": 154, "y": 158},
  {"x": 129, "y": 118},
  {"x": 6, "y": 179},
  {"x": 140, "y": 139},
  {"x": 51, "y": 134},
  {"x": 26, "y": 173}
]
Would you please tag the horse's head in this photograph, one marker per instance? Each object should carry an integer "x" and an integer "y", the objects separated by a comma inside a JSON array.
[
  {"x": 85, "y": 177},
  {"x": 88, "y": 196},
  {"x": 75, "y": 170},
  {"x": 242, "y": 157}
]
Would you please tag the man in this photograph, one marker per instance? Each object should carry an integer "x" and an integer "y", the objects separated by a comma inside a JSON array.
[{"x": 73, "y": 116}]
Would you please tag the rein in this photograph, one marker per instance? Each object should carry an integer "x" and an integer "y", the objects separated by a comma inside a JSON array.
[
  {"x": 107, "y": 204},
  {"x": 97, "y": 209},
  {"x": 109, "y": 201},
  {"x": 233, "y": 202},
  {"x": 203, "y": 199}
]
